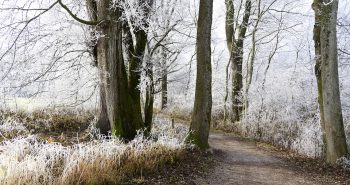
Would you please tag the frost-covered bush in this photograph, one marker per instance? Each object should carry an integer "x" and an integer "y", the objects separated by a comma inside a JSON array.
[
  {"x": 30, "y": 160},
  {"x": 10, "y": 127}
]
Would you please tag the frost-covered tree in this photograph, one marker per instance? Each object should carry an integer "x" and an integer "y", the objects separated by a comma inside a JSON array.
[
  {"x": 115, "y": 28},
  {"x": 235, "y": 34},
  {"x": 119, "y": 95}
]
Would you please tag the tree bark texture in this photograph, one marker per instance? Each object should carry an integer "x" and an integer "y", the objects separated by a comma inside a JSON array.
[
  {"x": 326, "y": 19},
  {"x": 121, "y": 112},
  {"x": 201, "y": 117},
  {"x": 103, "y": 123},
  {"x": 318, "y": 74},
  {"x": 235, "y": 46}
]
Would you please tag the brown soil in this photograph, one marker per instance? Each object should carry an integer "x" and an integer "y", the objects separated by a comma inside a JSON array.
[
  {"x": 241, "y": 161},
  {"x": 192, "y": 165}
]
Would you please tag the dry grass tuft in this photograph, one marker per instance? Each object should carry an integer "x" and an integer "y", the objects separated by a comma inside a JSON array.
[{"x": 31, "y": 160}]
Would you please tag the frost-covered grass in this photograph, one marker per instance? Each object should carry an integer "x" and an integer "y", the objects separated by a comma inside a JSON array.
[
  {"x": 11, "y": 128},
  {"x": 32, "y": 160},
  {"x": 44, "y": 121}
]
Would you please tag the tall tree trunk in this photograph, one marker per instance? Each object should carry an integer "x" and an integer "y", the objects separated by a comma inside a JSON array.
[
  {"x": 103, "y": 123},
  {"x": 135, "y": 59},
  {"x": 113, "y": 76},
  {"x": 164, "y": 80},
  {"x": 318, "y": 58},
  {"x": 235, "y": 46},
  {"x": 326, "y": 13},
  {"x": 250, "y": 63},
  {"x": 201, "y": 117},
  {"x": 230, "y": 39}
]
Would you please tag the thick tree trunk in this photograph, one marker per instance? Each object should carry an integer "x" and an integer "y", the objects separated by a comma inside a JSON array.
[
  {"x": 201, "y": 117},
  {"x": 113, "y": 76},
  {"x": 333, "y": 120},
  {"x": 103, "y": 123}
]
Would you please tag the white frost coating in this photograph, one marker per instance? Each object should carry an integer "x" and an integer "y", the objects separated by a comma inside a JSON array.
[
  {"x": 10, "y": 125},
  {"x": 326, "y": 4},
  {"x": 29, "y": 160}
]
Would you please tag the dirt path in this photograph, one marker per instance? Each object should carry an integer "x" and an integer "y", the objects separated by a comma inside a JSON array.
[{"x": 242, "y": 162}]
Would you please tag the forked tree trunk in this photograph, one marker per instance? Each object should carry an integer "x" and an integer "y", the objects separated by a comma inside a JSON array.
[
  {"x": 235, "y": 46},
  {"x": 201, "y": 117},
  {"x": 113, "y": 77},
  {"x": 136, "y": 58},
  {"x": 326, "y": 13},
  {"x": 119, "y": 92}
]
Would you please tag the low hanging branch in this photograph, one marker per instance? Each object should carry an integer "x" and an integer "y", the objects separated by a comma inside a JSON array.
[{"x": 91, "y": 23}]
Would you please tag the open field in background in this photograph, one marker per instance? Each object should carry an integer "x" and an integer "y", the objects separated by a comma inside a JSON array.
[{"x": 18, "y": 104}]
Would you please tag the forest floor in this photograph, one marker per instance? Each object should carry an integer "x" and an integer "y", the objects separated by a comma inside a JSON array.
[
  {"x": 242, "y": 161},
  {"x": 231, "y": 159}
]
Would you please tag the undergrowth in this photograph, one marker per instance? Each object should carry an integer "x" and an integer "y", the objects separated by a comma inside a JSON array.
[{"x": 29, "y": 159}]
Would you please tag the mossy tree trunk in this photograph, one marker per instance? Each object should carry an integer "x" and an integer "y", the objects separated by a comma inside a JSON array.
[
  {"x": 235, "y": 47},
  {"x": 136, "y": 55},
  {"x": 120, "y": 109},
  {"x": 326, "y": 22},
  {"x": 318, "y": 74},
  {"x": 117, "y": 104},
  {"x": 135, "y": 59},
  {"x": 201, "y": 117}
]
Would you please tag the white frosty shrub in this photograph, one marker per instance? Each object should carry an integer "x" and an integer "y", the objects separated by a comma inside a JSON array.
[{"x": 309, "y": 140}]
